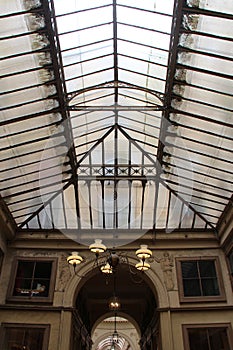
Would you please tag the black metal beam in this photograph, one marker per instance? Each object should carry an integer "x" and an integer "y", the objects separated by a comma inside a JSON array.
[
  {"x": 115, "y": 50},
  {"x": 204, "y": 12},
  {"x": 173, "y": 51},
  {"x": 111, "y": 108}
]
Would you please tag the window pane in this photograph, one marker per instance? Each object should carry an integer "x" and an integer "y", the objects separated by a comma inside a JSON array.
[
  {"x": 33, "y": 279},
  {"x": 210, "y": 286},
  {"x": 211, "y": 338},
  {"x": 191, "y": 287},
  {"x": 13, "y": 337},
  {"x": 23, "y": 338},
  {"x": 25, "y": 269},
  {"x": 200, "y": 278},
  {"x": 43, "y": 269},
  {"x": 198, "y": 339},
  {"x": 218, "y": 339},
  {"x": 207, "y": 268},
  {"x": 231, "y": 262},
  {"x": 189, "y": 269},
  {"x": 22, "y": 287},
  {"x": 40, "y": 287},
  {"x": 34, "y": 339}
]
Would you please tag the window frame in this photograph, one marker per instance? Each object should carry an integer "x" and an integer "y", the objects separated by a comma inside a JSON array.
[
  {"x": 186, "y": 327},
  {"x": 23, "y": 298},
  {"x": 25, "y": 326},
  {"x": 201, "y": 298},
  {"x": 1, "y": 259},
  {"x": 229, "y": 265}
]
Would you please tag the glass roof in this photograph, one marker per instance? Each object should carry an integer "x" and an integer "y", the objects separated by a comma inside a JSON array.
[{"x": 116, "y": 114}]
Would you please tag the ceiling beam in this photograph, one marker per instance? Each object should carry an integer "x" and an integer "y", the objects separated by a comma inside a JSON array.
[{"x": 113, "y": 108}]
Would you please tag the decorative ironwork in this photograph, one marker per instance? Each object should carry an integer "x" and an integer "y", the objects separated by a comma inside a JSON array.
[{"x": 119, "y": 170}]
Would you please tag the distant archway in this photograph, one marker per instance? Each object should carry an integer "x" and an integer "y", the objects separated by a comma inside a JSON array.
[{"x": 128, "y": 335}]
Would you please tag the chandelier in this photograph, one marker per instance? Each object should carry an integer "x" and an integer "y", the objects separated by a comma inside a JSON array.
[{"x": 108, "y": 260}]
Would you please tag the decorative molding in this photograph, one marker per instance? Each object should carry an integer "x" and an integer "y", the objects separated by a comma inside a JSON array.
[
  {"x": 167, "y": 264},
  {"x": 64, "y": 273}
]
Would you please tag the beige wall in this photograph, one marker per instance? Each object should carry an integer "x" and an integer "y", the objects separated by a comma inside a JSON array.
[
  {"x": 173, "y": 314},
  {"x": 53, "y": 319}
]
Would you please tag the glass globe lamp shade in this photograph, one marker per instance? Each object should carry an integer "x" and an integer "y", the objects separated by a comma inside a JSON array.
[
  {"x": 143, "y": 252},
  {"x": 142, "y": 266},
  {"x": 97, "y": 247},
  {"x": 74, "y": 259}
]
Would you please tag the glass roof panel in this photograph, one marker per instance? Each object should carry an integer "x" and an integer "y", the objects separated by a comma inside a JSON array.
[
  {"x": 79, "y": 20},
  {"x": 165, "y": 6},
  {"x": 142, "y": 18},
  {"x": 195, "y": 93},
  {"x": 143, "y": 52},
  {"x": 74, "y": 5},
  {"x": 142, "y": 66},
  {"x": 81, "y": 118},
  {"x": 215, "y": 26},
  {"x": 143, "y": 36},
  {"x": 87, "y": 67},
  {"x": 85, "y": 36},
  {"x": 89, "y": 52},
  {"x": 142, "y": 80},
  {"x": 114, "y": 58},
  {"x": 207, "y": 44},
  {"x": 210, "y": 64},
  {"x": 143, "y": 97},
  {"x": 224, "y": 6},
  {"x": 90, "y": 80}
]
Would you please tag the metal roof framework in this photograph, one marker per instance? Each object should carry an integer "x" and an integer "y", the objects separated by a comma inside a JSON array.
[{"x": 116, "y": 116}]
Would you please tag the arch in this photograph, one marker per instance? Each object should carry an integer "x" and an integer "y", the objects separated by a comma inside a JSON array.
[
  {"x": 118, "y": 84},
  {"x": 131, "y": 338},
  {"x": 152, "y": 277},
  {"x": 104, "y": 336},
  {"x": 120, "y": 314}
]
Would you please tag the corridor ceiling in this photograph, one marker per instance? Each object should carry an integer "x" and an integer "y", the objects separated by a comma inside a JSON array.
[{"x": 116, "y": 116}]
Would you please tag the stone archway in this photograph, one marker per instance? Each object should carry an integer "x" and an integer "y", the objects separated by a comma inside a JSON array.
[
  {"x": 153, "y": 277},
  {"x": 81, "y": 294}
]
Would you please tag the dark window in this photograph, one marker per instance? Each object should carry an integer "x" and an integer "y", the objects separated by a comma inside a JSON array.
[
  {"x": 30, "y": 337},
  {"x": 212, "y": 338},
  {"x": 33, "y": 279},
  {"x": 199, "y": 278}
]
